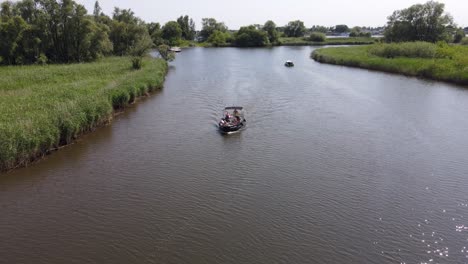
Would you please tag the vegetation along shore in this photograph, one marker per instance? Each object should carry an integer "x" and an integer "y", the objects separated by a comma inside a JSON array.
[
  {"x": 421, "y": 41},
  {"x": 44, "y": 107},
  {"x": 434, "y": 61}
]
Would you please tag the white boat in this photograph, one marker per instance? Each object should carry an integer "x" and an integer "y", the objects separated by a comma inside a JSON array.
[{"x": 175, "y": 49}]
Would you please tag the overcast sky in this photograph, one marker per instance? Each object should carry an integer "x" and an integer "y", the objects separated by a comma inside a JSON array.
[{"x": 236, "y": 13}]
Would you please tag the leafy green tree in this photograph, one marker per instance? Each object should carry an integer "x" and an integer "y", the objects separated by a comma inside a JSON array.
[
  {"x": 139, "y": 50},
  {"x": 459, "y": 35},
  {"x": 97, "y": 10},
  {"x": 188, "y": 27},
  {"x": 317, "y": 28},
  {"x": 420, "y": 22},
  {"x": 209, "y": 25},
  {"x": 341, "y": 29},
  {"x": 165, "y": 52},
  {"x": 250, "y": 36},
  {"x": 126, "y": 29},
  {"x": 155, "y": 31},
  {"x": 270, "y": 28},
  {"x": 317, "y": 36},
  {"x": 172, "y": 33},
  {"x": 295, "y": 29},
  {"x": 217, "y": 38}
]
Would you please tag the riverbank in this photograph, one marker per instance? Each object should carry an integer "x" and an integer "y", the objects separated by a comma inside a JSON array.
[
  {"x": 450, "y": 64},
  {"x": 302, "y": 41},
  {"x": 45, "y": 107}
]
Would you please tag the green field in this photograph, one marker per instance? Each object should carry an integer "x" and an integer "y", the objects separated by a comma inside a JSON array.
[
  {"x": 329, "y": 41},
  {"x": 44, "y": 107},
  {"x": 448, "y": 63}
]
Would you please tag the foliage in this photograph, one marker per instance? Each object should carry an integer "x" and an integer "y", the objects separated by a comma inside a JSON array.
[
  {"x": 317, "y": 28},
  {"x": 251, "y": 37},
  {"x": 166, "y": 53},
  {"x": 44, "y": 107},
  {"x": 187, "y": 26},
  {"x": 141, "y": 48},
  {"x": 270, "y": 28},
  {"x": 155, "y": 32},
  {"x": 440, "y": 67},
  {"x": 209, "y": 25},
  {"x": 172, "y": 33},
  {"x": 295, "y": 29},
  {"x": 218, "y": 38},
  {"x": 459, "y": 35},
  {"x": 341, "y": 29},
  {"x": 357, "y": 32},
  {"x": 317, "y": 36},
  {"x": 464, "y": 41},
  {"x": 328, "y": 41},
  {"x": 420, "y": 22},
  {"x": 126, "y": 29}
]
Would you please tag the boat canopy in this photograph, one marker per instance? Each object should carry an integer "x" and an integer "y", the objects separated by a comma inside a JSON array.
[{"x": 234, "y": 108}]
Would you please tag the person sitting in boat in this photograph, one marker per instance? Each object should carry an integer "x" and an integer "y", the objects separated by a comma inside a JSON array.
[
  {"x": 227, "y": 117},
  {"x": 236, "y": 113}
]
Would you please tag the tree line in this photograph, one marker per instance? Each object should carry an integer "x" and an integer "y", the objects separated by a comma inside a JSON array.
[{"x": 62, "y": 31}]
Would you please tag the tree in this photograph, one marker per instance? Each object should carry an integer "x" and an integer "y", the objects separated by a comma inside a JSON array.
[
  {"x": 139, "y": 50},
  {"x": 420, "y": 22},
  {"x": 166, "y": 53},
  {"x": 317, "y": 36},
  {"x": 155, "y": 31},
  {"x": 188, "y": 27},
  {"x": 97, "y": 10},
  {"x": 218, "y": 38},
  {"x": 126, "y": 29},
  {"x": 317, "y": 28},
  {"x": 341, "y": 29},
  {"x": 251, "y": 37},
  {"x": 172, "y": 32},
  {"x": 459, "y": 35},
  {"x": 209, "y": 25},
  {"x": 295, "y": 29},
  {"x": 270, "y": 28}
]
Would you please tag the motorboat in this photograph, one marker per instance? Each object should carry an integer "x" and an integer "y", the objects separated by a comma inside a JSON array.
[
  {"x": 233, "y": 120},
  {"x": 289, "y": 63},
  {"x": 175, "y": 49}
]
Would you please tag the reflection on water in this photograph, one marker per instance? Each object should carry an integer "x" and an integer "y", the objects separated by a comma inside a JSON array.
[{"x": 337, "y": 165}]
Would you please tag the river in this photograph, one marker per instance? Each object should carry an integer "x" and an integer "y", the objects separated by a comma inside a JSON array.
[{"x": 336, "y": 165}]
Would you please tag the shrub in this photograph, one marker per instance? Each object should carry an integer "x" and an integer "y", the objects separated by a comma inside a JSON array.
[
  {"x": 137, "y": 62},
  {"x": 317, "y": 36},
  {"x": 42, "y": 59},
  {"x": 464, "y": 41}
]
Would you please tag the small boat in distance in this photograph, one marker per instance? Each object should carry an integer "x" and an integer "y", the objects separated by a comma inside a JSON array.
[
  {"x": 233, "y": 120},
  {"x": 175, "y": 49},
  {"x": 289, "y": 63}
]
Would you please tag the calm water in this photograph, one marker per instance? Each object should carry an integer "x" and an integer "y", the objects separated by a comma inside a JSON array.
[{"x": 337, "y": 165}]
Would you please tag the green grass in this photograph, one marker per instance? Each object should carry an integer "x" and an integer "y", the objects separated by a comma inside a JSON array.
[
  {"x": 329, "y": 41},
  {"x": 450, "y": 63},
  {"x": 44, "y": 107}
]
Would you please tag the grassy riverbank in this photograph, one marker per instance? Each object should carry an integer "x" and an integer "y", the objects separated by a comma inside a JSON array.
[
  {"x": 44, "y": 107},
  {"x": 443, "y": 63},
  {"x": 328, "y": 41}
]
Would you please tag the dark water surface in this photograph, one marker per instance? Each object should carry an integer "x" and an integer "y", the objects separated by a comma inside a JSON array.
[{"x": 337, "y": 165}]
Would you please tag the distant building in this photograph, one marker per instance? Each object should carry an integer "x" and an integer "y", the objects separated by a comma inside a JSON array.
[{"x": 466, "y": 30}]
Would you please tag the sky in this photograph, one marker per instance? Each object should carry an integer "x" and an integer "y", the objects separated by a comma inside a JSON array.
[{"x": 239, "y": 13}]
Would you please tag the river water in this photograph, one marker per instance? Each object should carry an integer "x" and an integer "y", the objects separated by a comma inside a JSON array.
[{"x": 337, "y": 165}]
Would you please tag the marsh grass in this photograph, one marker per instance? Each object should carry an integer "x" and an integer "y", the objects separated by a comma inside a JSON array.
[
  {"x": 44, "y": 107},
  {"x": 450, "y": 63}
]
